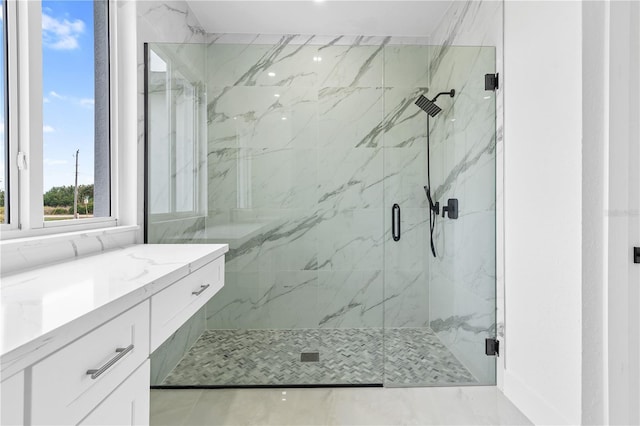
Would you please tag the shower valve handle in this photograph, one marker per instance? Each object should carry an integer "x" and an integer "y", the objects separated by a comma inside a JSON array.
[{"x": 451, "y": 209}]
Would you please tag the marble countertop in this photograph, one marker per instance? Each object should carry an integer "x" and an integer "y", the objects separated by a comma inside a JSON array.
[{"x": 46, "y": 308}]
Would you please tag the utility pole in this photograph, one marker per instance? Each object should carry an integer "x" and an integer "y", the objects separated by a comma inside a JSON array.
[{"x": 75, "y": 191}]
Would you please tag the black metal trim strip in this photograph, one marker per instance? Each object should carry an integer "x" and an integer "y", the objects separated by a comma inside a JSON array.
[
  {"x": 364, "y": 385},
  {"x": 145, "y": 219}
]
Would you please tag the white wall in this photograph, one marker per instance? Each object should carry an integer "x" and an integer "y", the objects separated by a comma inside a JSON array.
[
  {"x": 543, "y": 174},
  {"x": 623, "y": 214},
  {"x": 594, "y": 201}
]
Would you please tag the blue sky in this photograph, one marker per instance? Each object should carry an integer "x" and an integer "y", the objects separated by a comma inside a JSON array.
[{"x": 68, "y": 91}]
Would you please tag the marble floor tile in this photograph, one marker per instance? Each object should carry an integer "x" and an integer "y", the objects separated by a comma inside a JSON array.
[
  {"x": 172, "y": 407},
  {"x": 477, "y": 405}
]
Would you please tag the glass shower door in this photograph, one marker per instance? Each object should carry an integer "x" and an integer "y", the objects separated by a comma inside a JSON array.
[{"x": 439, "y": 310}]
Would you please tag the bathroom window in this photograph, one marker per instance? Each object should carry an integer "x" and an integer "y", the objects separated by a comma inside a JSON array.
[
  {"x": 57, "y": 127},
  {"x": 75, "y": 110}
]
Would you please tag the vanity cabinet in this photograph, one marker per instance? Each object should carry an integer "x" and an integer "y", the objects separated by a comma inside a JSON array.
[
  {"x": 69, "y": 384},
  {"x": 95, "y": 369}
]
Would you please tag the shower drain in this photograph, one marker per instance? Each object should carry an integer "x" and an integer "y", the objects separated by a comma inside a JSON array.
[{"x": 310, "y": 356}]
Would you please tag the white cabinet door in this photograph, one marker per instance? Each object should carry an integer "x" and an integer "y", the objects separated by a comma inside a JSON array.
[
  {"x": 70, "y": 383},
  {"x": 127, "y": 405},
  {"x": 12, "y": 406}
]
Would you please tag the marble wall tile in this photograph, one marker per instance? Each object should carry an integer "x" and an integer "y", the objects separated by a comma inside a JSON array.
[
  {"x": 262, "y": 117},
  {"x": 350, "y": 117},
  {"x": 404, "y": 124},
  {"x": 406, "y": 298},
  {"x": 350, "y": 298},
  {"x": 350, "y": 179},
  {"x": 405, "y": 174},
  {"x": 265, "y": 300},
  {"x": 406, "y": 66},
  {"x": 319, "y": 40},
  {"x": 174, "y": 231},
  {"x": 287, "y": 242},
  {"x": 281, "y": 64},
  {"x": 351, "y": 240},
  {"x": 412, "y": 251},
  {"x": 351, "y": 66},
  {"x": 291, "y": 187}
]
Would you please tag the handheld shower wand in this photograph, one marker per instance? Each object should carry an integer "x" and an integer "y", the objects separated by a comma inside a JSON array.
[{"x": 432, "y": 110}]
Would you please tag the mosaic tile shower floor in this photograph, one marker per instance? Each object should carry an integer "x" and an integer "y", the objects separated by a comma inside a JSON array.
[{"x": 414, "y": 356}]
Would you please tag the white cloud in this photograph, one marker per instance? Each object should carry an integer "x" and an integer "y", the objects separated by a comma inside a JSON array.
[
  {"x": 2, "y": 128},
  {"x": 48, "y": 129},
  {"x": 56, "y": 95},
  {"x": 86, "y": 102},
  {"x": 61, "y": 34}
]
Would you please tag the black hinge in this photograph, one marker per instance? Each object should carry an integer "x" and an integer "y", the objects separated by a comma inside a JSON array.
[
  {"x": 636, "y": 255},
  {"x": 492, "y": 347},
  {"x": 491, "y": 82}
]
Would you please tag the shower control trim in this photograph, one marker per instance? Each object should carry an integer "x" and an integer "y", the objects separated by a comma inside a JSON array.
[{"x": 451, "y": 209}]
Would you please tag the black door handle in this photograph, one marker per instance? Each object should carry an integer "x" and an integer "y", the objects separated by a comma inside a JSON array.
[{"x": 395, "y": 222}]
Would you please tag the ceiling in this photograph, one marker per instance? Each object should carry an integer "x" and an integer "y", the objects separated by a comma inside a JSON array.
[{"x": 397, "y": 18}]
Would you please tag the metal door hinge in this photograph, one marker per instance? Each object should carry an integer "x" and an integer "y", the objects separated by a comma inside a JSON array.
[
  {"x": 491, "y": 82},
  {"x": 492, "y": 347}
]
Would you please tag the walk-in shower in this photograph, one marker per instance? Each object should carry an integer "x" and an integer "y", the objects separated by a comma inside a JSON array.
[{"x": 300, "y": 152}]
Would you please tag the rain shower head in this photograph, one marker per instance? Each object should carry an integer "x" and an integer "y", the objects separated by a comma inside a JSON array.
[{"x": 428, "y": 106}]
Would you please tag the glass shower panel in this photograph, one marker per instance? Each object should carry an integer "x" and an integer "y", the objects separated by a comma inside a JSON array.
[
  {"x": 439, "y": 310},
  {"x": 298, "y": 200},
  {"x": 176, "y": 142},
  {"x": 294, "y": 154}
]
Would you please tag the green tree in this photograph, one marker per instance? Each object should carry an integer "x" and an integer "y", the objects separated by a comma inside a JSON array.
[{"x": 63, "y": 195}]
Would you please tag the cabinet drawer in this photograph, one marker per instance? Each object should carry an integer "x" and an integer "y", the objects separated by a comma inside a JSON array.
[
  {"x": 62, "y": 390},
  {"x": 127, "y": 405},
  {"x": 174, "y": 305}
]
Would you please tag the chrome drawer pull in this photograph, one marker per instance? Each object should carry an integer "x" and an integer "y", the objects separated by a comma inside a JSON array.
[
  {"x": 202, "y": 289},
  {"x": 121, "y": 353}
]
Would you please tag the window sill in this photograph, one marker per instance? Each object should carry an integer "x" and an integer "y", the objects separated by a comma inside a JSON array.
[{"x": 32, "y": 251}]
